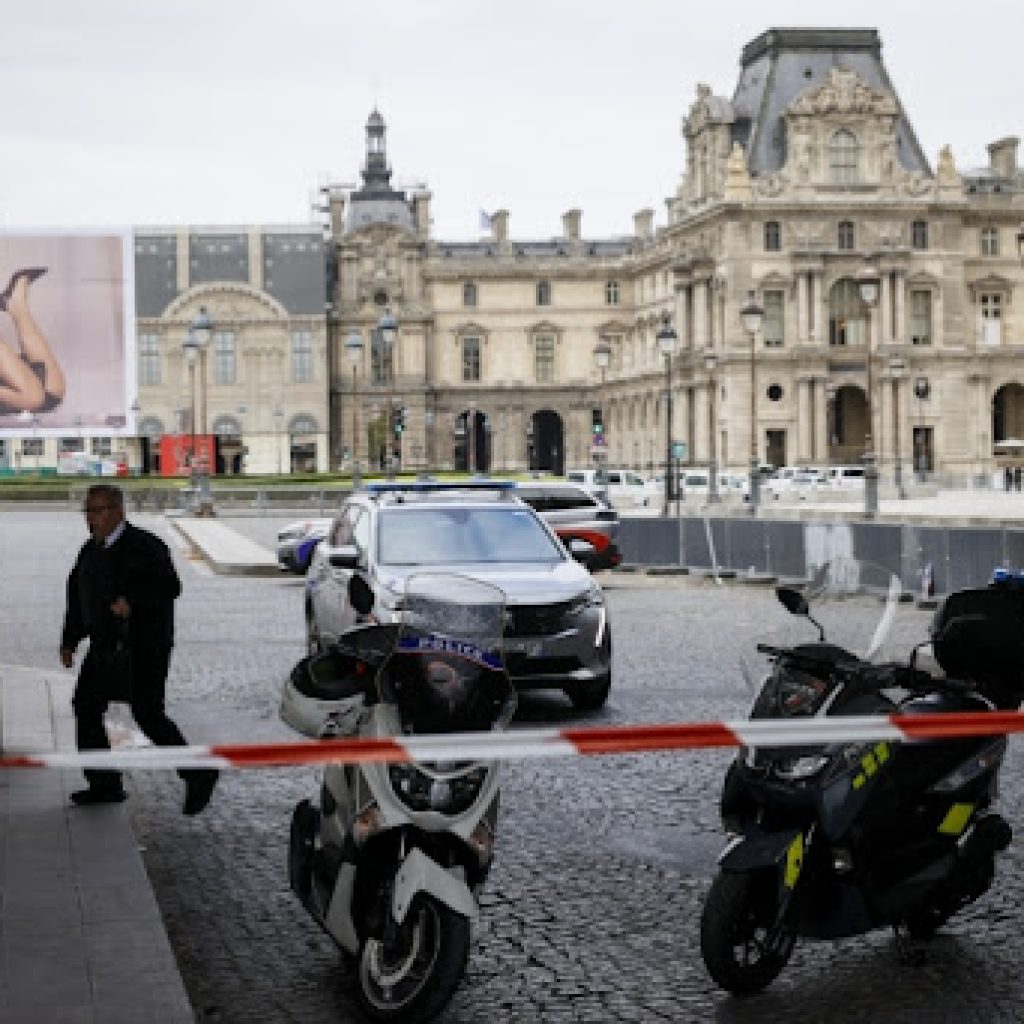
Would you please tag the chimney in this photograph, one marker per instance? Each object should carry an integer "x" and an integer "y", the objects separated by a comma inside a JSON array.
[
  {"x": 1002, "y": 156},
  {"x": 421, "y": 213},
  {"x": 643, "y": 223},
  {"x": 499, "y": 225},
  {"x": 336, "y": 205},
  {"x": 571, "y": 224}
]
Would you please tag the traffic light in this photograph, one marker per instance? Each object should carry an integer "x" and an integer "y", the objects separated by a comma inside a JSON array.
[
  {"x": 399, "y": 423},
  {"x": 597, "y": 426}
]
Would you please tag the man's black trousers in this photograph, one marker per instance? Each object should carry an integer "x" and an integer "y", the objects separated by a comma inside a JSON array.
[{"x": 149, "y": 680}]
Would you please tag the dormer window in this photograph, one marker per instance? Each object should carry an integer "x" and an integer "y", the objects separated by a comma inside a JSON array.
[{"x": 842, "y": 157}]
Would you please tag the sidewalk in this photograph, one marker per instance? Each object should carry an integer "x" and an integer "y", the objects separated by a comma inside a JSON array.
[
  {"x": 81, "y": 937},
  {"x": 225, "y": 550}
]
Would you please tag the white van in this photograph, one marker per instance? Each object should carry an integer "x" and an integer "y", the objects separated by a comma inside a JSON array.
[{"x": 625, "y": 488}]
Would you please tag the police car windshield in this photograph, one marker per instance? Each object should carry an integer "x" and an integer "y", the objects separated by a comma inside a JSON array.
[{"x": 413, "y": 535}]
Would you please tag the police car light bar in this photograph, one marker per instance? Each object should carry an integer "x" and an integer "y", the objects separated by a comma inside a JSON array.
[{"x": 427, "y": 486}]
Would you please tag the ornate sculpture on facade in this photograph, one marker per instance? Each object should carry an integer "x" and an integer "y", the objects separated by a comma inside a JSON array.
[
  {"x": 737, "y": 180},
  {"x": 844, "y": 92}
]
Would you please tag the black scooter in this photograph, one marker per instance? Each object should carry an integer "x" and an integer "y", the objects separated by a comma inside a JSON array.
[{"x": 835, "y": 841}]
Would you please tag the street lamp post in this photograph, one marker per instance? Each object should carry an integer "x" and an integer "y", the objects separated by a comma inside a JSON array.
[
  {"x": 388, "y": 328},
  {"x": 602, "y": 356},
  {"x": 922, "y": 389},
  {"x": 896, "y": 368},
  {"x": 667, "y": 338},
  {"x": 867, "y": 285},
  {"x": 196, "y": 340},
  {"x": 751, "y": 316},
  {"x": 278, "y": 415},
  {"x": 710, "y": 363},
  {"x": 354, "y": 352},
  {"x": 833, "y": 438}
]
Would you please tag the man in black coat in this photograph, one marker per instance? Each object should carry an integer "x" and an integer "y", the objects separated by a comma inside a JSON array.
[{"x": 121, "y": 592}]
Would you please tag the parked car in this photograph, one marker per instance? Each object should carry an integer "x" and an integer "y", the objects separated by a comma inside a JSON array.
[
  {"x": 296, "y": 541},
  {"x": 794, "y": 483},
  {"x": 845, "y": 477},
  {"x": 625, "y": 489},
  {"x": 557, "y": 630},
  {"x": 577, "y": 514}
]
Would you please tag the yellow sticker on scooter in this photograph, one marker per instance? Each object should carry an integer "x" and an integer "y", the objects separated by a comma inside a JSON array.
[
  {"x": 956, "y": 820},
  {"x": 794, "y": 862}
]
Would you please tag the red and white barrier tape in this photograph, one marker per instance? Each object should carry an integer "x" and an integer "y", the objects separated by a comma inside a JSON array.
[{"x": 539, "y": 743}]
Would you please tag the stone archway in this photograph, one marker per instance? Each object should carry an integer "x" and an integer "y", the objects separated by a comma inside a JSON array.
[
  {"x": 847, "y": 434},
  {"x": 546, "y": 442},
  {"x": 471, "y": 450},
  {"x": 1008, "y": 434}
]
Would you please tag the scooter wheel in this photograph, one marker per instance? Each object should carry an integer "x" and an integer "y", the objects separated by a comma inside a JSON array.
[
  {"x": 305, "y": 822},
  {"x": 742, "y": 952},
  {"x": 413, "y": 979}
]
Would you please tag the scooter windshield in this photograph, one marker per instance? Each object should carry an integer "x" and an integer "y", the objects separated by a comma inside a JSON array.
[
  {"x": 447, "y": 670},
  {"x": 847, "y": 609}
]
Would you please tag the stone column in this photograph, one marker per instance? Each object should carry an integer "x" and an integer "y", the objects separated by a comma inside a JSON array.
[
  {"x": 884, "y": 309},
  {"x": 701, "y": 314},
  {"x": 802, "y": 301},
  {"x": 817, "y": 327},
  {"x": 680, "y": 317},
  {"x": 804, "y": 426},
  {"x": 901, "y": 308},
  {"x": 701, "y": 442}
]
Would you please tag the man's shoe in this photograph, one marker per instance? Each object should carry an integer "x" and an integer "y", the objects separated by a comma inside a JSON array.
[
  {"x": 198, "y": 789},
  {"x": 91, "y": 795}
]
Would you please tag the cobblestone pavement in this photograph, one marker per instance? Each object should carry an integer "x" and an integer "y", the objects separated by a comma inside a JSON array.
[{"x": 592, "y": 909}]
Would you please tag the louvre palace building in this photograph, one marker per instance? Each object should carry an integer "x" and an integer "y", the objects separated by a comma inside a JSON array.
[{"x": 803, "y": 185}]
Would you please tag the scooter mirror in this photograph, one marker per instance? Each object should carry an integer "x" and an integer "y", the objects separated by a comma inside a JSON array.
[
  {"x": 792, "y": 600},
  {"x": 360, "y": 595}
]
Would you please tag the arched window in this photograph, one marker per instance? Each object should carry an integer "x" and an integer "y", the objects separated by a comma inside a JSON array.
[
  {"x": 302, "y": 424},
  {"x": 226, "y": 426},
  {"x": 151, "y": 427},
  {"x": 842, "y": 157},
  {"x": 847, "y": 314}
]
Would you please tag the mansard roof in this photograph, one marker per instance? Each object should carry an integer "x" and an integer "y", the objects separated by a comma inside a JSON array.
[{"x": 783, "y": 63}]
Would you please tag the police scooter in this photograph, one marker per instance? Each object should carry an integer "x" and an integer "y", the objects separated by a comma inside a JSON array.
[
  {"x": 391, "y": 861},
  {"x": 835, "y": 840}
]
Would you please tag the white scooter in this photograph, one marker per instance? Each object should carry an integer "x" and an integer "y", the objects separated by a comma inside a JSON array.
[{"x": 391, "y": 862}]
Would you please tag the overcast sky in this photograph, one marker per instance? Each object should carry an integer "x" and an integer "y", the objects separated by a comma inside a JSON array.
[{"x": 141, "y": 112}]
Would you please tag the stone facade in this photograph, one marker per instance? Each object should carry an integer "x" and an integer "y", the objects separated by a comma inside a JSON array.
[{"x": 807, "y": 178}]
